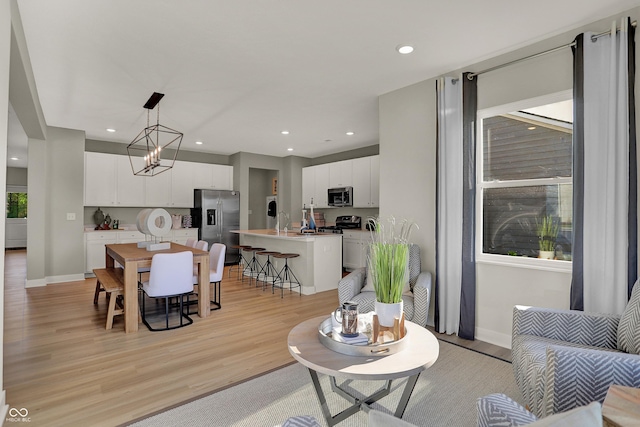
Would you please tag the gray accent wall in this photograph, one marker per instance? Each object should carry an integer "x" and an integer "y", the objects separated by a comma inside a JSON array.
[
  {"x": 16, "y": 176},
  {"x": 64, "y": 240}
]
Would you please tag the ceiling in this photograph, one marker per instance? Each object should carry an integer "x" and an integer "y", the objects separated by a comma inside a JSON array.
[{"x": 237, "y": 73}]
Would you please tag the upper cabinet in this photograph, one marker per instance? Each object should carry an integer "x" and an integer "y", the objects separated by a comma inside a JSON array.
[
  {"x": 212, "y": 177},
  {"x": 362, "y": 174},
  {"x": 366, "y": 182},
  {"x": 109, "y": 181},
  {"x": 99, "y": 179},
  {"x": 341, "y": 174},
  {"x": 129, "y": 186},
  {"x": 315, "y": 182}
]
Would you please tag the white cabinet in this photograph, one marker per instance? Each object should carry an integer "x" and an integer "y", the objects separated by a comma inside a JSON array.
[
  {"x": 308, "y": 184},
  {"x": 366, "y": 182},
  {"x": 212, "y": 177},
  {"x": 181, "y": 235},
  {"x": 181, "y": 185},
  {"x": 158, "y": 190},
  {"x": 354, "y": 249},
  {"x": 375, "y": 181},
  {"x": 363, "y": 174},
  {"x": 222, "y": 177},
  {"x": 129, "y": 236},
  {"x": 95, "y": 242},
  {"x": 320, "y": 197},
  {"x": 99, "y": 179},
  {"x": 315, "y": 183},
  {"x": 129, "y": 187},
  {"x": 109, "y": 181},
  {"x": 341, "y": 174}
]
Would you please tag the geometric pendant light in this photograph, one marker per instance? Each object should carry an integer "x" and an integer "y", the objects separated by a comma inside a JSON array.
[{"x": 147, "y": 152}]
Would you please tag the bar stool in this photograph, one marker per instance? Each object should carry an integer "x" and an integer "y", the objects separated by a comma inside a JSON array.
[
  {"x": 286, "y": 274},
  {"x": 268, "y": 269},
  {"x": 241, "y": 260},
  {"x": 253, "y": 265}
]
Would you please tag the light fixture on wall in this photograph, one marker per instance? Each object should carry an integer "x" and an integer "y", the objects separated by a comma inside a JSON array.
[{"x": 147, "y": 152}]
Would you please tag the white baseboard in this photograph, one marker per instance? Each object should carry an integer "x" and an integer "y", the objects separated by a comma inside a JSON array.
[
  {"x": 65, "y": 278},
  {"x": 33, "y": 283},
  {"x": 4, "y": 408},
  {"x": 493, "y": 337}
]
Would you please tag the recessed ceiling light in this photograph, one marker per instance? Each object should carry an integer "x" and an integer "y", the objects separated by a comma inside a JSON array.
[
  {"x": 289, "y": 149},
  {"x": 404, "y": 49},
  {"x": 350, "y": 133},
  {"x": 285, "y": 132},
  {"x": 198, "y": 142},
  {"x": 14, "y": 158},
  {"x": 531, "y": 127},
  {"x": 110, "y": 130}
]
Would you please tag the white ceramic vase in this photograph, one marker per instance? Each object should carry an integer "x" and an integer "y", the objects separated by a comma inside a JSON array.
[
  {"x": 546, "y": 254},
  {"x": 388, "y": 312}
]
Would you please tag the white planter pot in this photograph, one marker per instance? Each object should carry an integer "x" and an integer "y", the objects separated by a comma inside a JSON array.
[
  {"x": 387, "y": 313},
  {"x": 546, "y": 254}
]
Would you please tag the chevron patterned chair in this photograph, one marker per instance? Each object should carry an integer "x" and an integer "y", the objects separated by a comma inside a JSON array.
[
  {"x": 498, "y": 410},
  {"x": 416, "y": 298},
  {"x": 563, "y": 359}
]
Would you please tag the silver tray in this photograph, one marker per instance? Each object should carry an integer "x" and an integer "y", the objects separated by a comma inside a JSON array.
[{"x": 325, "y": 330}]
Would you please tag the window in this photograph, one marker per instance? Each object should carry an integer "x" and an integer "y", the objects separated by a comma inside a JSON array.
[
  {"x": 16, "y": 205},
  {"x": 524, "y": 175}
]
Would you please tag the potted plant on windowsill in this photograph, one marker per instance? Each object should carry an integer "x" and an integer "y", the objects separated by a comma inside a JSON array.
[
  {"x": 547, "y": 232},
  {"x": 388, "y": 264}
]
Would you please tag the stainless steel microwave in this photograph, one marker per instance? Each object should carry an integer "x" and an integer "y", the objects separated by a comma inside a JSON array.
[{"x": 339, "y": 197}]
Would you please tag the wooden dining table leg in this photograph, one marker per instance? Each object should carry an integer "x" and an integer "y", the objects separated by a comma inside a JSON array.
[
  {"x": 131, "y": 297},
  {"x": 204, "y": 308}
]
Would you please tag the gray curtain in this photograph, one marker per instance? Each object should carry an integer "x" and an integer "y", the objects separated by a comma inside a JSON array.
[{"x": 468, "y": 289}]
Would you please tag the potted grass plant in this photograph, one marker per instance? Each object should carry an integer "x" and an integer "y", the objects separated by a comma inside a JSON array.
[
  {"x": 547, "y": 232},
  {"x": 388, "y": 261}
]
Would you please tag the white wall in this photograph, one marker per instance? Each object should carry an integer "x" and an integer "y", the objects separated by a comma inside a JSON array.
[
  {"x": 407, "y": 172},
  {"x": 5, "y": 54}
]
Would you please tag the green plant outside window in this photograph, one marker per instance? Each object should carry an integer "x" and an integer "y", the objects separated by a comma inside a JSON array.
[{"x": 16, "y": 205}]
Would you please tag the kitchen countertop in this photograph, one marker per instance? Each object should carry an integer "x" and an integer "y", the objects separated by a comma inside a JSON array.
[
  {"x": 127, "y": 227},
  {"x": 291, "y": 234}
]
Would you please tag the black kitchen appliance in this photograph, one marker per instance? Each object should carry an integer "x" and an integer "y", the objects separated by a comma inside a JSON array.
[{"x": 343, "y": 222}]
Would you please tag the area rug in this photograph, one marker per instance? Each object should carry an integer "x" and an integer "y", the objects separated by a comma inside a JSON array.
[{"x": 445, "y": 395}]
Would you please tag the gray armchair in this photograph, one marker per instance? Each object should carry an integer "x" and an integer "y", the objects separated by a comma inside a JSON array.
[
  {"x": 563, "y": 359},
  {"x": 498, "y": 410},
  {"x": 416, "y": 305}
]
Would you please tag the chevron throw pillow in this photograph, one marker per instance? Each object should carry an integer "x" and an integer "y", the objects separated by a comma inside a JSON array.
[{"x": 629, "y": 326}]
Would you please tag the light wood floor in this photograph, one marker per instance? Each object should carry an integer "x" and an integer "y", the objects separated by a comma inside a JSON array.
[{"x": 66, "y": 369}]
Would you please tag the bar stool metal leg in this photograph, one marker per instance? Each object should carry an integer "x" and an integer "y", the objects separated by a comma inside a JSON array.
[
  {"x": 253, "y": 265},
  {"x": 268, "y": 269},
  {"x": 286, "y": 274}
]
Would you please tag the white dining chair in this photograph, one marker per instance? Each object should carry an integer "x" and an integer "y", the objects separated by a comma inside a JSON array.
[
  {"x": 216, "y": 272},
  {"x": 203, "y": 245},
  {"x": 191, "y": 242},
  {"x": 170, "y": 276}
]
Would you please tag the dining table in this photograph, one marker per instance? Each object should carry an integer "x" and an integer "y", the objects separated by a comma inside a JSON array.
[{"x": 131, "y": 257}]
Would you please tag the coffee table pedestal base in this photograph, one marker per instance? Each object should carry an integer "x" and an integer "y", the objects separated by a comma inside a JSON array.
[{"x": 360, "y": 404}]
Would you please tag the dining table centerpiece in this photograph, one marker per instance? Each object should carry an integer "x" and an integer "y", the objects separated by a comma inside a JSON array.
[{"x": 388, "y": 262}]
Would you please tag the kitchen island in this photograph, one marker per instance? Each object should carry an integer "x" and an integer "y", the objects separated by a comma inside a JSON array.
[{"x": 319, "y": 266}]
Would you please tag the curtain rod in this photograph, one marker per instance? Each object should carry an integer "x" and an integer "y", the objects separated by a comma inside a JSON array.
[{"x": 595, "y": 37}]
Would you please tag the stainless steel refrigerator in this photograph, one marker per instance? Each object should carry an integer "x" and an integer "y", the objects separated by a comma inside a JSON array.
[{"x": 215, "y": 214}]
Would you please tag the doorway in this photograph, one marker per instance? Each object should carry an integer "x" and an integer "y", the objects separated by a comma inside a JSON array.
[{"x": 263, "y": 190}]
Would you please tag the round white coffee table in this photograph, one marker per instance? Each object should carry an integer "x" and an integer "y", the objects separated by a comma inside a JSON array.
[{"x": 420, "y": 352}]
